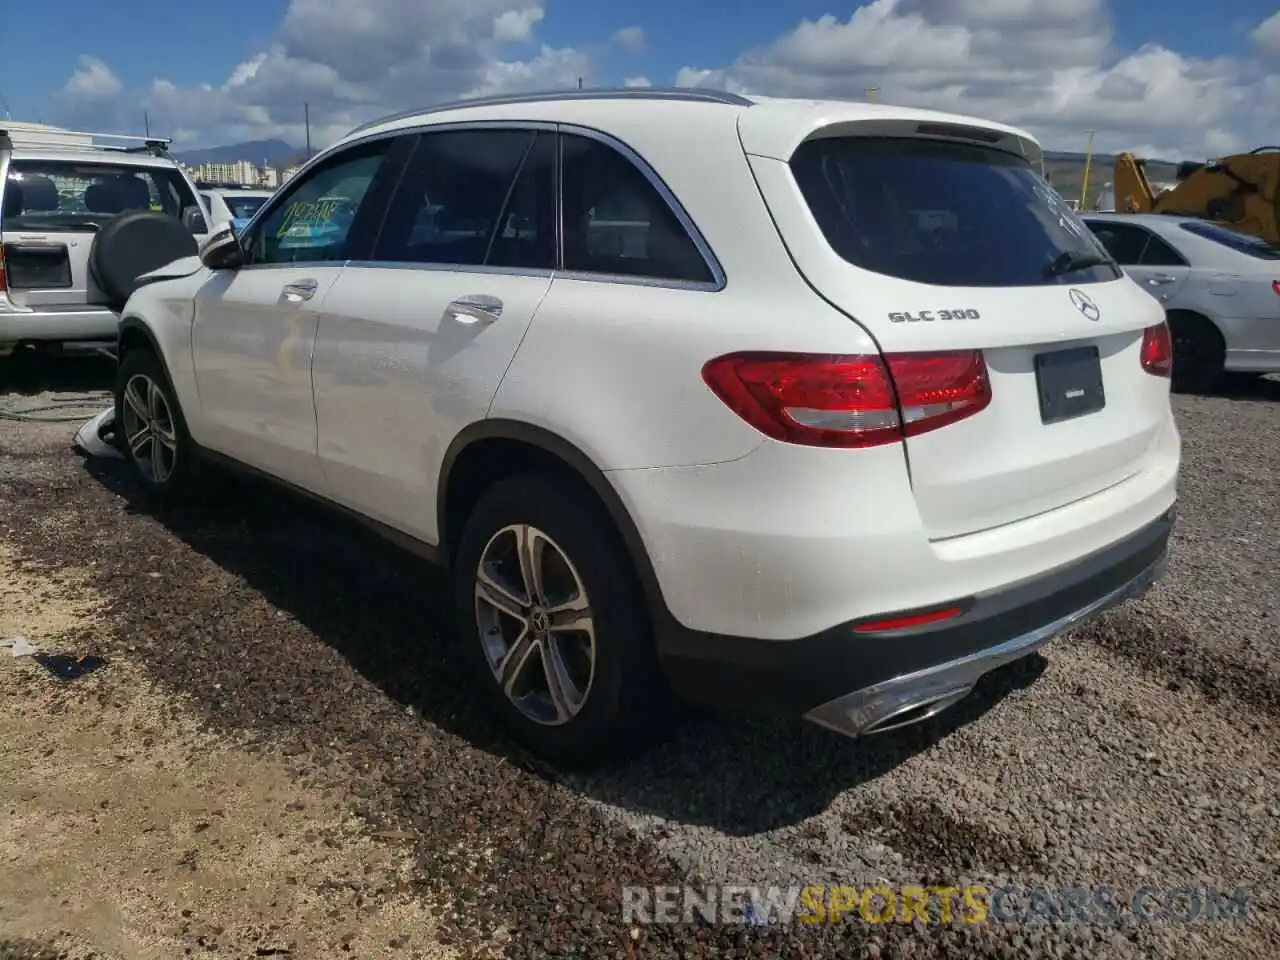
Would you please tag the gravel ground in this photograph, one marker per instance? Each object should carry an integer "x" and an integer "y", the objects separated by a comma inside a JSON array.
[{"x": 1141, "y": 751}]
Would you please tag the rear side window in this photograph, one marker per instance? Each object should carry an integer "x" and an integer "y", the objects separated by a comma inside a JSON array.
[
  {"x": 475, "y": 198},
  {"x": 1160, "y": 254},
  {"x": 1135, "y": 246},
  {"x": 1123, "y": 241},
  {"x": 1240, "y": 242},
  {"x": 616, "y": 221},
  {"x": 944, "y": 213},
  {"x": 60, "y": 196}
]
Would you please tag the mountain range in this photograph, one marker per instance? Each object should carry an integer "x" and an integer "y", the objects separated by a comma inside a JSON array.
[{"x": 274, "y": 153}]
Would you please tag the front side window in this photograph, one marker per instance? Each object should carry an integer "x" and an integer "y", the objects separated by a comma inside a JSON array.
[
  {"x": 475, "y": 198},
  {"x": 945, "y": 213},
  {"x": 54, "y": 196},
  {"x": 1247, "y": 244},
  {"x": 312, "y": 221},
  {"x": 617, "y": 223}
]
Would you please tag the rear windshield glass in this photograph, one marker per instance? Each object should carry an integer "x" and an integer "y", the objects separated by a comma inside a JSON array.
[
  {"x": 945, "y": 213},
  {"x": 1241, "y": 242},
  {"x": 52, "y": 196},
  {"x": 242, "y": 208}
]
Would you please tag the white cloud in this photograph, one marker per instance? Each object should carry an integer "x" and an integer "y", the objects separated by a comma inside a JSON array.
[
  {"x": 637, "y": 82},
  {"x": 1052, "y": 66},
  {"x": 1267, "y": 34},
  {"x": 513, "y": 25},
  {"x": 348, "y": 60},
  {"x": 92, "y": 98},
  {"x": 630, "y": 39},
  {"x": 92, "y": 80},
  {"x": 1047, "y": 65}
]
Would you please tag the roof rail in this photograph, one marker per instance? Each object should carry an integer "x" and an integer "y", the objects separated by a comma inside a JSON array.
[
  {"x": 686, "y": 94},
  {"x": 54, "y": 137}
]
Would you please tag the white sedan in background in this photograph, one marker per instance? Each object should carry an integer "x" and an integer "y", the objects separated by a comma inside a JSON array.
[{"x": 1220, "y": 290}]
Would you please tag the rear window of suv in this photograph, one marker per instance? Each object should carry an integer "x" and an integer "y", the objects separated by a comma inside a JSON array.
[
  {"x": 945, "y": 213},
  {"x": 52, "y": 196},
  {"x": 242, "y": 207}
]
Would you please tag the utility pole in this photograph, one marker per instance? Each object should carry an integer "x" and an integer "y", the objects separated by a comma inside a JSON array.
[
  {"x": 579, "y": 83},
  {"x": 871, "y": 94},
  {"x": 306, "y": 114},
  {"x": 146, "y": 122},
  {"x": 1088, "y": 163}
]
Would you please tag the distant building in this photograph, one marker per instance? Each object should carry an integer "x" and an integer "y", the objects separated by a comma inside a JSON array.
[{"x": 239, "y": 172}]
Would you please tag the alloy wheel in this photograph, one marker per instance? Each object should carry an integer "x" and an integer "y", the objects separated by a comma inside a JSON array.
[
  {"x": 149, "y": 429},
  {"x": 535, "y": 624}
]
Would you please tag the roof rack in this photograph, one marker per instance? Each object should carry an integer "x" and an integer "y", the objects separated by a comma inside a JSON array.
[
  {"x": 686, "y": 94},
  {"x": 54, "y": 137}
]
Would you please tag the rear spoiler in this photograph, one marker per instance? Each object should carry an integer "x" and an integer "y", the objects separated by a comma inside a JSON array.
[{"x": 776, "y": 130}]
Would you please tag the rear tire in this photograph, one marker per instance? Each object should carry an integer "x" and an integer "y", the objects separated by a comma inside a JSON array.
[
  {"x": 1199, "y": 353},
  {"x": 584, "y": 622},
  {"x": 150, "y": 430}
]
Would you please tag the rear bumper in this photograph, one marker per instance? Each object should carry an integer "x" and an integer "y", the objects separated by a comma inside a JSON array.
[
  {"x": 58, "y": 325},
  {"x": 857, "y": 684},
  {"x": 1253, "y": 344}
]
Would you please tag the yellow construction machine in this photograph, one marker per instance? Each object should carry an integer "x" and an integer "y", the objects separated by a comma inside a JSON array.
[{"x": 1241, "y": 191}]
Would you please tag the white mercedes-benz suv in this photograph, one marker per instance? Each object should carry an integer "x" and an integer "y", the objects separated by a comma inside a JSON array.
[{"x": 828, "y": 407}]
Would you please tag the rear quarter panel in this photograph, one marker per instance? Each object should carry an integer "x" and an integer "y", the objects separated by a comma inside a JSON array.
[{"x": 616, "y": 367}]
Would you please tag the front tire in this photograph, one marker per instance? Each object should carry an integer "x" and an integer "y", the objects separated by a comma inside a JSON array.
[
  {"x": 150, "y": 430},
  {"x": 553, "y": 625}
]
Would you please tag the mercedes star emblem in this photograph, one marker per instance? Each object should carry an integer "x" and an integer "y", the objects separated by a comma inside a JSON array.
[{"x": 1085, "y": 305}]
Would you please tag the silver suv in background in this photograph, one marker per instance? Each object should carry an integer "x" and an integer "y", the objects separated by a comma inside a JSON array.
[{"x": 80, "y": 221}]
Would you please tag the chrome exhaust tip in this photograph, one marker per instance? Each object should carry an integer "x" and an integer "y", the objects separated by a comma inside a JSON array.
[
  {"x": 910, "y": 714},
  {"x": 860, "y": 717}
]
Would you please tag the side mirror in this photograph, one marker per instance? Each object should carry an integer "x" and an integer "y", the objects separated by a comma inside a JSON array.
[
  {"x": 222, "y": 251},
  {"x": 194, "y": 220}
]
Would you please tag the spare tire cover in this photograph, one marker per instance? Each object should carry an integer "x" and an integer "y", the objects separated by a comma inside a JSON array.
[{"x": 135, "y": 243}]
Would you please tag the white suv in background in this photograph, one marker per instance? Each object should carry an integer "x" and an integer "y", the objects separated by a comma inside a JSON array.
[
  {"x": 827, "y": 407},
  {"x": 82, "y": 215}
]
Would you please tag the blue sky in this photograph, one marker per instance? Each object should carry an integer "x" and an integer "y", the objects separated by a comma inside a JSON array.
[{"x": 134, "y": 42}]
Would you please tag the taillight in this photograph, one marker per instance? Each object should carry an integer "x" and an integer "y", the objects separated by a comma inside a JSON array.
[
  {"x": 1157, "y": 350},
  {"x": 1275, "y": 285},
  {"x": 849, "y": 401},
  {"x": 906, "y": 621}
]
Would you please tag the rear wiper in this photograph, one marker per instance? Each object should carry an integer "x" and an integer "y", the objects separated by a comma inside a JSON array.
[{"x": 1069, "y": 262}]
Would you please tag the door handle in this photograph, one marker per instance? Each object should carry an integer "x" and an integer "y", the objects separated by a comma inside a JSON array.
[
  {"x": 1162, "y": 278},
  {"x": 477, "y": 308},
  {"x": 299, "y": 291}
]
